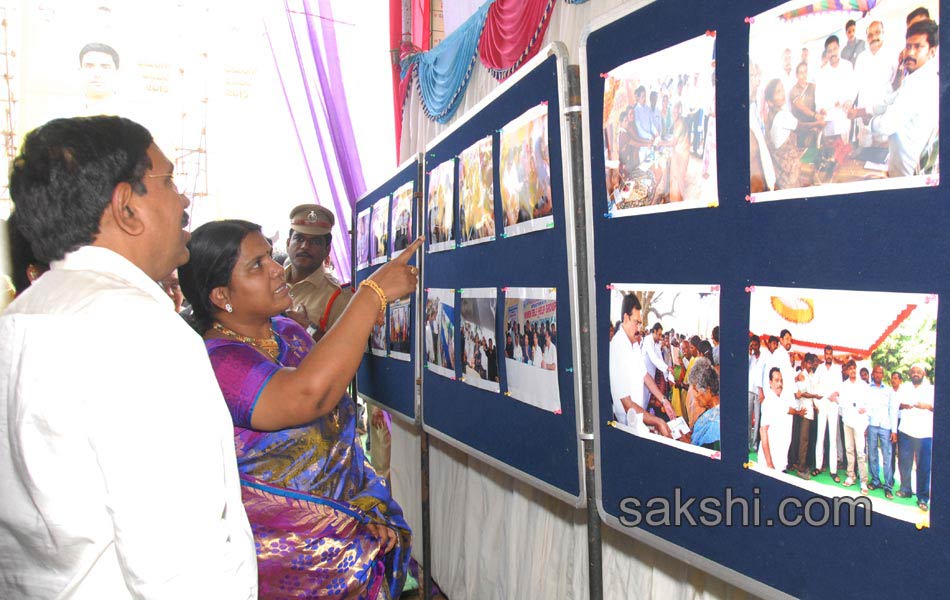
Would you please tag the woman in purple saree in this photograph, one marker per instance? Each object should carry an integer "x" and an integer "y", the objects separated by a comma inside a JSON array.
[{"x": 325, "y": 525}]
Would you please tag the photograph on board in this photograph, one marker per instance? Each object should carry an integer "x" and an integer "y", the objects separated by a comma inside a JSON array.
[
  {"x": 841, "y": 393},
  {"x": 844, "y": 97},
  {"x": 664, "y": 364},
  {"x": 380, "y": 231},
  {"x": 476, "y": 194},
  {"x": 377, "y": 340},
  {"x": 479, "y": 343},
  {"x": 441, "y": 204},
  {"x": 363, "y": 227},
  {"x": 660, "y": 130},
  {"x": 402, "y": 219},
  {"x": 439, "y": 331},
  {"x": 526, "y": 173},
  {"x": 399, "y": 333},
  {"x": 531, "y": 361}
]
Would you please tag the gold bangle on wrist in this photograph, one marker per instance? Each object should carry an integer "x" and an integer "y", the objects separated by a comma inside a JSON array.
[{"x": 379, "y": 292}]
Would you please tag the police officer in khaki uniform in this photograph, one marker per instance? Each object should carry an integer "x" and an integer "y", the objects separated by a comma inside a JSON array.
[{"x": 312, "y": 288}]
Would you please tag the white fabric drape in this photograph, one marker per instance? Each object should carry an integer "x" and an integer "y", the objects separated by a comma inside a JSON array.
[{"x": 493, "y": 536}]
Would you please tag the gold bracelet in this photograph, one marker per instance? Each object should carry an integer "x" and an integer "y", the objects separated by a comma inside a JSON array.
[{"x": 379, "y": 292}]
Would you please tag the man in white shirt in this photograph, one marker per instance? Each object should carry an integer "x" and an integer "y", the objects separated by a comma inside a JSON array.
[
  {"x": 116, "y": 447},
  {"x": 910, "y": 116},
  {"x": 835, "y": 90},
  {"x": 776, "y": 428},
  {"x": 828, "y": 376},
  {"x": 874, "y": 71},
  {"x": 653, "y": 363},
  {"x": 628, "y": 373},
  {"x": 756, "y": 362},
  {"x": 915, "y": 434},
  {"x": 853, "y": 398}
]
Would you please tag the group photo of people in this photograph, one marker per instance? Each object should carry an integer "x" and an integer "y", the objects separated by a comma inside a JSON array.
[
  {"x": 380, "y": 231},
  {"x": 660, "y": 130},
  {"x": 841, "y": 394},
  {"x": 402, "y": 219},
  {"x": 440, "y": 224},
  {"x": 399, "y": 330},
  {"x": 664, "y": 364},
  {"x": 439, "y": 331},
  {"x": 531, "y": 361},
  {"x": 526, "y": 172},
  {"x": 843, "y": 98},
  {"x": 476, "y": 193},
  {"x": 479, "y": 344},
  {"x": 363, "y": 227}
]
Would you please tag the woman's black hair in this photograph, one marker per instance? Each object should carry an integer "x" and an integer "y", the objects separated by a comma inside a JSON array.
[{"x": 214, "y": 249}]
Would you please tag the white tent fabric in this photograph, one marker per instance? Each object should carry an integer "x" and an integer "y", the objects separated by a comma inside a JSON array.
[
  {"x": 496, "y": 537},
  {"x": 493, "y": 536}
]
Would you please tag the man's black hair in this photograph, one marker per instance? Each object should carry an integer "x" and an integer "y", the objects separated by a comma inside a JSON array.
[
  {"x": 99, "y": 47},
  {"x": 65, "y": 174}
]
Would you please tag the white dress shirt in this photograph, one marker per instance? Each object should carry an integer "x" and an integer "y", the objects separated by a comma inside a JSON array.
[
  {"x": 917, "y": 422},
  {"x": 117, "y": 459},
  {"x": 909, "y": 116},
  {"x": 626, "y": 374},
  {"x": 834, "y": 88}
]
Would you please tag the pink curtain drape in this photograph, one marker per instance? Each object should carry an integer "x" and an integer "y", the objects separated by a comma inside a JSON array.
[{"x": 513, "y": 33}]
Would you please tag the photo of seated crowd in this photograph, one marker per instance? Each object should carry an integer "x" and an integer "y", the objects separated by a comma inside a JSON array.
[
  {"x": 843, "y": 93},
  {"x": 479, "y": 350},
  {"x": 531, "y": 346},
  {"x": 841, "y": 393},
  {"x": 660, "y": 130},
  {"x": 664, "y": 364},
  {"x": 476, "y": 194},
  {"x": 526, "y": 172}
]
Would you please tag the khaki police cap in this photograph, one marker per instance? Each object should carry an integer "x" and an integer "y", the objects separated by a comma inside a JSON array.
[{"x": 311, "y": 219}]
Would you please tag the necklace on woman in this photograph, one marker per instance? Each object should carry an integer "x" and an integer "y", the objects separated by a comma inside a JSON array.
[{"x": 266, "y": 345}]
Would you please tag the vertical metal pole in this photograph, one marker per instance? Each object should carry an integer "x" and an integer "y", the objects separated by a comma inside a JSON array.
[
  {"x": 575, "y": 123},
  {"x": 424, "y": 490}
]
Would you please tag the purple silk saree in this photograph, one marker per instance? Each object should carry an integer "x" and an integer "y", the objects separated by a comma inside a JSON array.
[{"x": 308, "y": 491}]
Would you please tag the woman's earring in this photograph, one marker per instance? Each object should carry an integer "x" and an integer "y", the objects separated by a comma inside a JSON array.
[{"x": 228, "y": 308}]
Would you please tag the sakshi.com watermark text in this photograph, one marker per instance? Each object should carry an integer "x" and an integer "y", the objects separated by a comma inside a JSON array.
[{"x": 731, "y": 509}]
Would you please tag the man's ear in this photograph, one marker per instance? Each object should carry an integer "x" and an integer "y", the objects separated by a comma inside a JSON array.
[
  {"x": 124, "y": 210},
  {"x": 220, "y": 297}
]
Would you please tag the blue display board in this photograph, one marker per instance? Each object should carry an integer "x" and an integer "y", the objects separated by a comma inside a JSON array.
[
  {"x": 890, "y": 240},
  {"x": 538, "y": 445},
  {"x": 383, "y": 379}
]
